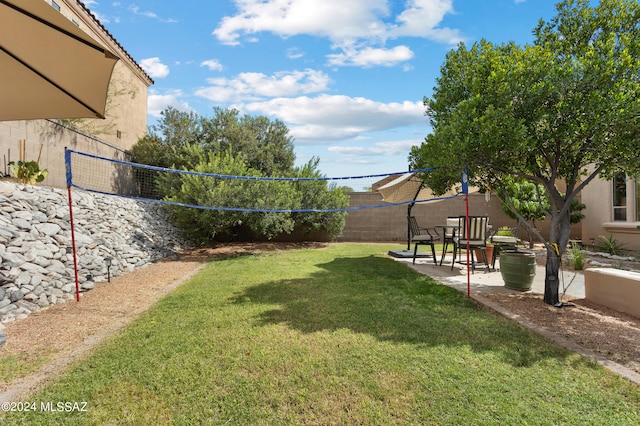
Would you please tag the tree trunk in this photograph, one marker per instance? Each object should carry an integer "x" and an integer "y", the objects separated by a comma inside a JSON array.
[{"x": 551, "y": 281}]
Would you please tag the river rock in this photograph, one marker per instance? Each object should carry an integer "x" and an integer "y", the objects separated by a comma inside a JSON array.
[{"x": 36, "y": 257}]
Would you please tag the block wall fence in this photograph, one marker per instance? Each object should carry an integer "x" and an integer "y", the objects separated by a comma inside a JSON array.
[{"x": 389, "y": 224}]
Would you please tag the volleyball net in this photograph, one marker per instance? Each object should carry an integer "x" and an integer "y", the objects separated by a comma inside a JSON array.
[{"x": 243, "y": 193}]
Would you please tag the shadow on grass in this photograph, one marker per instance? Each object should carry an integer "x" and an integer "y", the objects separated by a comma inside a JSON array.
[{"x": 391, "y": 302}]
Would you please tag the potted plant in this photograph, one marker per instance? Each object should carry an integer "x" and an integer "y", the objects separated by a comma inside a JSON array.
[
  {"x": 27, "y": 171},
  {"x": 518, "y": 269},
  {"x": 505, "y": 231},
  {"x": 491, "y": 248},
  {"x": 488, "y": 250}
]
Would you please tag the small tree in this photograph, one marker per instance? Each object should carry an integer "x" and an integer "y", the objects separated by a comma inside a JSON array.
[{"x": 524, "y": 200}]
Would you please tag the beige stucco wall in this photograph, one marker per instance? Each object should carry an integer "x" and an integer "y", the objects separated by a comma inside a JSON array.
[
  {"x": 613, "y": 288},
  {"x": 126, "y": 109},
  {"x": 598, "y": 198}
]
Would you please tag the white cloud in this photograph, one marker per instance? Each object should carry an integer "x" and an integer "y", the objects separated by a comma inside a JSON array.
[
  {"x": 342, "y": 110},
  {"x": 353, "y": 161},
  {"x": 156, "y": 103},
  {"x": 154, "y": 67},
  {"x": 370, "y": 56},
  {"x": 421, "y": 19},
  {"x": 256, "y": 86},
  {"x": 378, "y": 148},
  {"x": 358, "y": 28},
  {"x": 136, "y": 11},
  {"x": 151, "y": 15},
  {"x": 212, "y": 64},
  {"x": 335, "y": 19},
  {"x": 294, "y": 53},
  {"x": 326, "y": 118}
]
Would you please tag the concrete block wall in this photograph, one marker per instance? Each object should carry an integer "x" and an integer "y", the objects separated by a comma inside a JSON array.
[
  {"x": 389, "y": 224},
  {"x": 367, "y": 224},
  {"x": 53, "y": 136}
]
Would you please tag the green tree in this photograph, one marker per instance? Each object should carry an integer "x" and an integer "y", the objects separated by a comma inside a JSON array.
[
  {"x": 202, "y": 225},
  {"x": 564, "y": 109},
  {"x": 168, "y": 144},
  {"x": 263, "y": 144},
  {"x": 318, "y": 194},
  {"x": 523, "y": 200},
  {"x": 239, "y": 146}
]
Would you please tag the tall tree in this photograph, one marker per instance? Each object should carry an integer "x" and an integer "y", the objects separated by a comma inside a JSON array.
[
  {"x": 264, "y": 144},
  {"x": 242, "y": 146},
  {"x": 565, "y": 109}
]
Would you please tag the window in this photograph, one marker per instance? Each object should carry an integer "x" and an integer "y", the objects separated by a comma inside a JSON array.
[
  {"x": 55, "y": 5},
  {"x": 620, "y": 197}
]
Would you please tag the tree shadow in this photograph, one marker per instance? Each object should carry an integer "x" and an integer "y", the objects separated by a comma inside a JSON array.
[{"x": 393, "y": 303}]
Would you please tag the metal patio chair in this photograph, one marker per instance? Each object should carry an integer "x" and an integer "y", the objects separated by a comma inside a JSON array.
[
  {"x": 474, "y": 237},
  {"x": 424, "y": 236}
]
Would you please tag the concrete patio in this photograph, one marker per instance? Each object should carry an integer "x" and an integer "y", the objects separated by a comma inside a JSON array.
[{"x": 571, "y": 283}]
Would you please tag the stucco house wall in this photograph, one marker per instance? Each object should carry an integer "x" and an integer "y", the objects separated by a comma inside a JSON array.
[
  {"x": 126, "y": 112},
  {"x": 53, "y": 137},
  {"x": 599, "y": 221}
]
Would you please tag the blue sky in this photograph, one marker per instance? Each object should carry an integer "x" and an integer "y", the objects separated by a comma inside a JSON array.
[{"x": 346, "y": 76}]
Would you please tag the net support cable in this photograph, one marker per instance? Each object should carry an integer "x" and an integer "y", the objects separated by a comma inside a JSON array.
[{"x": 103, "y": 186}]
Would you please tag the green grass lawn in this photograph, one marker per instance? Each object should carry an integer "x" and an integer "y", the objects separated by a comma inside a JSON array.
[{"x": 337, "y": 335}]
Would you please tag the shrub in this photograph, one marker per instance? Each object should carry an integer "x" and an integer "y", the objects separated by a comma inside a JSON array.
[
  {"x": 576, "y": 257},
  {"x": 28, "y": 171},
  {"x": 505, "y": 231},
  {"x": 226, "y": 195},
  {"x": 609, "y": 245}
]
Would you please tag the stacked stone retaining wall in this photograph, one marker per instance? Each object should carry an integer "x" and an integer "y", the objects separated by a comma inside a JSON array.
[{"x": 36, "y": 260}]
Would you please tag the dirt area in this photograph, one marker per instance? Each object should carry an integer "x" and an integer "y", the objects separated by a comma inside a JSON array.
[
  {"x": 606, "y": 332},
  {"x": 110, "y": 306}
]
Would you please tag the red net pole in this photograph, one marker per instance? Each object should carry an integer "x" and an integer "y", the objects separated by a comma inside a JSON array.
[
  {"x": 73, "y": 245},
  {"x": 67, "y": 164},
  {"x": 466, "y": 229}
]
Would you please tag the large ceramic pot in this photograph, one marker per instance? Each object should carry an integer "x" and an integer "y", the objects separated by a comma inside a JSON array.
[{"x": 518, "y": 269}]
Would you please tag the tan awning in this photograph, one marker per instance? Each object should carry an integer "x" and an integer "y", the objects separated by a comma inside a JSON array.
[{"x": 49, "y": 68}]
